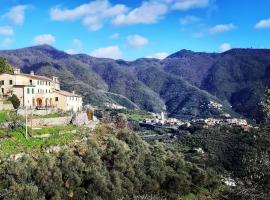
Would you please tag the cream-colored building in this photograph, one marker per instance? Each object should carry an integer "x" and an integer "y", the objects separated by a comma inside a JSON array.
[{"x": 39, "y": 91}]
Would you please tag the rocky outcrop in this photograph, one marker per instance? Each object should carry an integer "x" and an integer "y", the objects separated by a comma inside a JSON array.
[{"x": 80, "y": 119}]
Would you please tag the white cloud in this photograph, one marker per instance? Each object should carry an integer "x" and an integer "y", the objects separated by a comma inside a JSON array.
[
  {"x": 265, "y": 23},
  {"x": 114, "y": 36},
  {"x": 95, "y": 13},
  {"x": 6, "y": 42},
  {"x": 190, "y": 4},
  {"x": 220, "y": 28},
  {"x": 159, "y": 55},
  {"x": 17, "y": 14},
  {"x": 113, "y": 52},
  {"x": 6, "y": 30},
  {"x": 148, "y": 13},
  {"x": 224, "y": 47},
  {"x": 137, "y": 41},
  {"x": 76, "y": 47},
  {"x": 44, "y": 39},
  {"x": 92, "y": 14},
  {"x": 189, "y": 19},
  {"x": 93, "y": 23}
]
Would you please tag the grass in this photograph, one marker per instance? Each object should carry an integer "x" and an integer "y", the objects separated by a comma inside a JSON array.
[
  {"x": 5, "y": 101},
  {"x": 4, "y": 116},
  {"x": 136, "y": 115},
  {"x": 53, "y": 130},
  {"x": 54, "y": 115},
  {"x": 17, "y": 143}
]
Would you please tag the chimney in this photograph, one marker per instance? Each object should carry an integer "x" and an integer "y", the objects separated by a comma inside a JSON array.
[
  {"x": 17, "y": 71},
  {"x": 32, "y": 72},
  {"x": 55, "y": 79}
]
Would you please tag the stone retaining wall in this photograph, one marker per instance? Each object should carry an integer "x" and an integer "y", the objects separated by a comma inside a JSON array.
[
  {"x": 21, "y": 112},
  {"x": 58, "y": 121},
  {"x": 6, "y": 106}
]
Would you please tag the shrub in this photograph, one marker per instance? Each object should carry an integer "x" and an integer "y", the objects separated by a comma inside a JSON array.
[{"x": 15, "y": 101}]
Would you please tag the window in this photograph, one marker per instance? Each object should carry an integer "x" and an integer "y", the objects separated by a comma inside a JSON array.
[
  {"x": 46, "y": 91},
  {"x": 2, "y": 82},
  {"x": 38, "y": 82},
  {"x": 10, "y": 82},
  {"x": 28, "y": 90},
  {"x": 32, "y": 90},
  {"x": 31, "y": 82},
  {"x": 56, "y": 98}
]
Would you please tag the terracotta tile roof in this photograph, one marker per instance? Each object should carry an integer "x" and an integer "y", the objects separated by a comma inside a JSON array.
[{"x": 44, "y": 78}]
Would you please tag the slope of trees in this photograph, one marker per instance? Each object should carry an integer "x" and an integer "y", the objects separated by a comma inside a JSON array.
[{"x": 112, "y": 164}]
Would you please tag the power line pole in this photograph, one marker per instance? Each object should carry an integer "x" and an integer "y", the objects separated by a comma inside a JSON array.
[{"x": 26, "y": 129}]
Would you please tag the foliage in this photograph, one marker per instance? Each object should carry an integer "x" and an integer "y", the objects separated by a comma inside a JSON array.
[
  {"x": 15, "y": 101},
  {"x": 245, "y": 155},
  {"x": 5, "y": 67},
  {"x": 54, "y": 115},
  {"x": 112, "y": 164},
  {"x": 17, "y": 143},
  {"x": 4, "y": 116},
  {"x": 53, "y": 130}
]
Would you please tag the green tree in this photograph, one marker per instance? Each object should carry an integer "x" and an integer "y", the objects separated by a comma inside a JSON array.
[
  {"x": 5, "y": 67},
  {"x": 15, "y": 101}
]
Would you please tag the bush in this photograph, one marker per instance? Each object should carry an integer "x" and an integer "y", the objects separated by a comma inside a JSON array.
[
  {"x": 5, "y": 67},
  {"x": 15, "y": 101},
  {"x": 112, "y": 164}
]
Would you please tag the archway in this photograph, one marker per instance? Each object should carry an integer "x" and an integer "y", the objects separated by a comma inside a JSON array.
[{"x": 39, "y": 102}]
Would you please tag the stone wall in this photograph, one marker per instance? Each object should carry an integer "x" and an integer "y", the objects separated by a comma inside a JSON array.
[
  {"x": 21, "y": 111},
  {"x": 58, "y": 121},
  {"x": 6, "y": 106}
]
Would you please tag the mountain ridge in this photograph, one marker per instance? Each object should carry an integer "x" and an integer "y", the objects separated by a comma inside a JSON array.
[{"x": 183, "y": 83}]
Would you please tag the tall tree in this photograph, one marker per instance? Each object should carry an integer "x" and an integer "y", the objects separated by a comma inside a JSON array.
[{"x": 5, "y": 67}]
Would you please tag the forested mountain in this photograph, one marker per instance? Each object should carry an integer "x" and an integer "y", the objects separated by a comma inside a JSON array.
[{"x": 183, "y": 84}]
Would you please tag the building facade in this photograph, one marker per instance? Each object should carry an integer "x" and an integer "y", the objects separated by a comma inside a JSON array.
[{"x": 39, "y": 92}]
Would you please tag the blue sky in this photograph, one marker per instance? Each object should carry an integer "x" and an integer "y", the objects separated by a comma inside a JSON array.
[{"x": 133, "y": 29}]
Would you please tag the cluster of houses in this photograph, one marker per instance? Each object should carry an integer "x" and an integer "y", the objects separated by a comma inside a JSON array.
[
  {"x": 160, "y": 120},
  {"x": 38, "y": 92},
  {"x": 227, "y": 121}
]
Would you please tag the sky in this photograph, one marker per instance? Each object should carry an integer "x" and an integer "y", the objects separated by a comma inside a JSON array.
[{"x": 133, "y": 29}]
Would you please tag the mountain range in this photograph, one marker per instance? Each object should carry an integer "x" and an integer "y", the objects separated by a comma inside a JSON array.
[{"x": 186, "y": 84}]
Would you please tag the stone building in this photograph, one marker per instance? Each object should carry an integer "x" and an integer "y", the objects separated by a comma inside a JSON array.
[{"x": 39, "y": 92}]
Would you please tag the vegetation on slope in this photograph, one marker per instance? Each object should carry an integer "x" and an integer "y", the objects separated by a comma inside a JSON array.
[{"x": 112, "y": 164}]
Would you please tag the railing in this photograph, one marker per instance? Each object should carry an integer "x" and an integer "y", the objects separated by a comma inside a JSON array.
[{"x": 44, "y": 107}]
